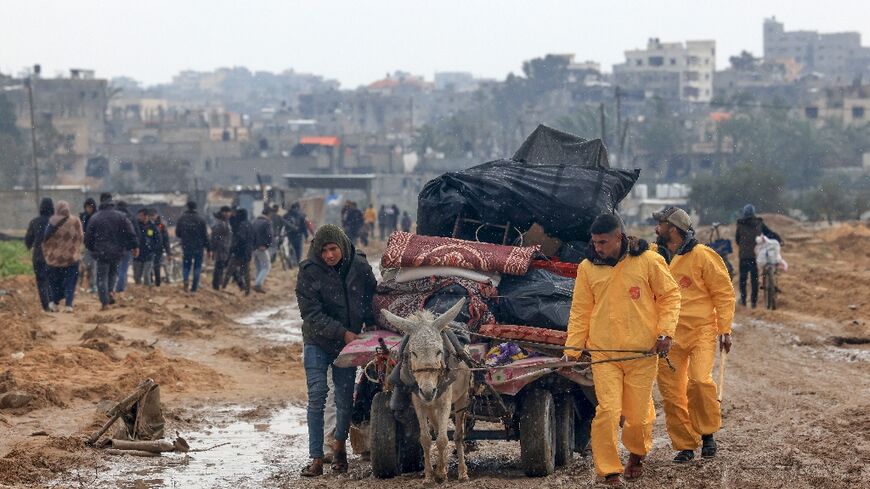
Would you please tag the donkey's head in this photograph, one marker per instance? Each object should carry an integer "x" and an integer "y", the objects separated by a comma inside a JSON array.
[{"x": 425, "y": 350}]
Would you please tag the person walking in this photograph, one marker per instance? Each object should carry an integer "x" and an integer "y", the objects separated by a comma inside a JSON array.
[
  {"x": 370, "y": 217},
  {"x": 127, "y": 258},
  {"x": 334, "y": 292},
  {"x": 624, "y": 299},
  {"x": 406, "y": 222},
  {"x": 221, "y": 243},
  {"x": 88, "y": 262},
  {"x": 33, "y": 240},
  {"x": 692, "y": 412},
  {"x": 62, "y": 249},
  {"x": 278, "y": 233},
  {"x": 150, "y": 244},
  {"x": 382, "y": 221},
  {"x": 192, "y": 230},
  {"x": 165, "y": 246},
  {"x": 241, "y": 251},
  {"x": 109, "y": 236},
  {"x": 750, "y": 227},
  {"x": 263, "y": 236},
  {"x": 296, "y": 224},
  {"x": 394, "y": 218}
]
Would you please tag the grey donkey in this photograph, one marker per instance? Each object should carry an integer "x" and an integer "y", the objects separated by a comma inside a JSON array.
[{"x": 443, "y": 385}]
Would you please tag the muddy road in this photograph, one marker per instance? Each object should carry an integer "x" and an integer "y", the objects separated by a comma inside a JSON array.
[{"x": 796, "y": 411}]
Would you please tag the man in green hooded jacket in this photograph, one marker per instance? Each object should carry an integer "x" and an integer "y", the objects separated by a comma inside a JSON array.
[{"x": 334, "y": 291}]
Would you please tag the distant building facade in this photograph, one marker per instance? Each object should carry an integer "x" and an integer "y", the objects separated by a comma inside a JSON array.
[
  {"x": 674, "y": 71},
  {"x": 838, "y": 55}
]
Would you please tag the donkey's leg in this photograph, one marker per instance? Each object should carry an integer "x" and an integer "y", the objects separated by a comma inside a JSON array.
[
  {"x": 425, "y": 440},
  {"x": 459, "y": 441},
  {"x": 443, "y": 419}
]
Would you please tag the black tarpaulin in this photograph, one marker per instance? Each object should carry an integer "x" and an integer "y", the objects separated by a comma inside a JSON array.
[
  {"x": 561, "y": 181},
  {"x": 548, "y": 146},
  {"x": 563, "y": 199}
]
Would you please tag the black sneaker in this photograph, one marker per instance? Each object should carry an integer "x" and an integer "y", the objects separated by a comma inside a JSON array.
[
  {"x": 708, "y": 447},
  {"x": 684, "y": 456}
]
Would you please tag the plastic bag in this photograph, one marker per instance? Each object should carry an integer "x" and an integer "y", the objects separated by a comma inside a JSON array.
[
  {"x": 538, "y": 298},
  {"x": 767, "y": 252}
]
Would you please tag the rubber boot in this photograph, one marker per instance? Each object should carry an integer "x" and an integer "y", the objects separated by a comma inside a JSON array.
[{"x": 708, "y": 446}]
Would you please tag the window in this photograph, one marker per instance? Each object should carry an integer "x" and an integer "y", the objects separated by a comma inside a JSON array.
[
  {"x": 656, "y": 60},
  {"x": 97, "y": 167},
  {"x": 639, "y": 62},
  {"x": 673, "y": 61},
  {"x": 125, "y": 166},
  {"x": 811, "y": 112},
  {"x": 691, "y": 92},
  {"x": 857, "y": 112},
  {"x": 692, "y": 76}
]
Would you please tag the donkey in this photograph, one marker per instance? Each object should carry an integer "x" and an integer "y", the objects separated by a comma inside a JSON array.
[{"x": 442, "y": 381}]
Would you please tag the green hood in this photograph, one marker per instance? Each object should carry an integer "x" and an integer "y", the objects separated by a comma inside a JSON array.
[{"x": 330, "y": 233}]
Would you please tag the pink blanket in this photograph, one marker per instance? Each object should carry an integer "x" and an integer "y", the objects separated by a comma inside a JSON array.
[{"x": 411, "y": 250}]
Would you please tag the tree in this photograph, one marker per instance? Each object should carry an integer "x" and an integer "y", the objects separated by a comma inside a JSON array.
[
  {"x": 744, "y": 61},
  {"x": 11, "y": 154},
  {"x": 662, "y": 134},
  {"x": 719, "y": 198}
]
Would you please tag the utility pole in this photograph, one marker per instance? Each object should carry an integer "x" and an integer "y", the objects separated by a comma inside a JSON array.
[
  {"x": 29, "y": 84},
  {"x": 619, "y": 120},
  {"x": 603, "y": 133}
]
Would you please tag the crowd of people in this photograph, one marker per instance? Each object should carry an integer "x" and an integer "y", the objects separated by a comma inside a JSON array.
[
  {"x": 98, "y": 247},
  {"x": 359, "y": 225}
]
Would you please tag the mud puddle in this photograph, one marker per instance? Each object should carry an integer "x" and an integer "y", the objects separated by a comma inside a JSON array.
[
  {"x": 278, "y": 324},
  {"x": 246, "y": 454}
]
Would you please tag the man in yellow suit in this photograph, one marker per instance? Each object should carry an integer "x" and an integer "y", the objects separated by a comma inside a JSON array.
[
  {"x": 624, "y": 299},
  {"x": 689, "y": 393}
]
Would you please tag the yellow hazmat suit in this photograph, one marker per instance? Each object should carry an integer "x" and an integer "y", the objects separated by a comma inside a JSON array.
[
  {"x": 626, "y": 306},
  {"x": 689, "y": 394}
]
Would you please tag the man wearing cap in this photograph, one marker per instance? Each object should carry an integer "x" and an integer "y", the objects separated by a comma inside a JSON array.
[
  {"x": 707, "y": 309},
  {"x": 334, "y": 292}
]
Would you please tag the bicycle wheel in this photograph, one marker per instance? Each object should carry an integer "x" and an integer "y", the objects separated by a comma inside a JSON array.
[{"x": 770, "y": 287}]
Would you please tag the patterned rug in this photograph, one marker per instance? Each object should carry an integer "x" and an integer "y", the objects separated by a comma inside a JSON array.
[
  {"x": 404, "y": 299},
  {"x": 524, "y": 333},
  {"x": 411, "y": 250}
]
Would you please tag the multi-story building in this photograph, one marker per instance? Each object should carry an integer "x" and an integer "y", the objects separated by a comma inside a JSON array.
[
  {"x": 75, "y": 106},
  {"x": 670, "y": 70},
  {"x": 838, "y": 55}
]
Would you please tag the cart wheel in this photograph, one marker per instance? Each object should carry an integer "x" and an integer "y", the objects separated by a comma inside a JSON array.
[
  {"x": 538, "y": 434},
  {"x": 564, "y": 429},
  {"x": 384, "y": 438}
]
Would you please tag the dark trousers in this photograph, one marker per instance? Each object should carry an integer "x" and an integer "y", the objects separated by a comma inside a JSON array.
[
  {"x": 217, "y": 278},
  {"x": 240, "y": 269},
  {"x": 107, "y": 277},
  {"x": 63, "y": 282},
  {"x": 43, "y": 285},
  {"x": 192, "y": 259},
  {"x": 158, "y": 262},
  {"x": 748, "y": 266},
  {"x": 296, "y": 243}
]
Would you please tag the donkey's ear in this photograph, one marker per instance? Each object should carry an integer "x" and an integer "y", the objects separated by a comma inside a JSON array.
[
  {"x": 445, "y": 319},
  {"x": 402, "y": 324}
]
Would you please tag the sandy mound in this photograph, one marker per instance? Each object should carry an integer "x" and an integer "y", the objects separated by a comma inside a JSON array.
[
  {"x": 185, "y": 327},
  {"x": 102, "y": 332},
  {"x": 19, "y": 315},
  {"x": 40, "y": 459},
  {"x": 55, "y": 376},
  {"x": 269, "y": 354}
]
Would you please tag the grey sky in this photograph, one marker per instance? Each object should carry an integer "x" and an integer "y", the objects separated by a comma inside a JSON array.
[{"x": 358, "y": 41}]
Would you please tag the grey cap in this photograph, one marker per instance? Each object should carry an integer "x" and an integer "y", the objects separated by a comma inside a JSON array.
[{"x": 674, "y": 215}]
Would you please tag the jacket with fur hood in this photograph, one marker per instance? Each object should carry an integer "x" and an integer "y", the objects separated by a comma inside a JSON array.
[{"x": 62, "y": 245}]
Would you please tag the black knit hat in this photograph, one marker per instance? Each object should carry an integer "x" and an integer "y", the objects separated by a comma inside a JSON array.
[{"x": 329, "y": 233}]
